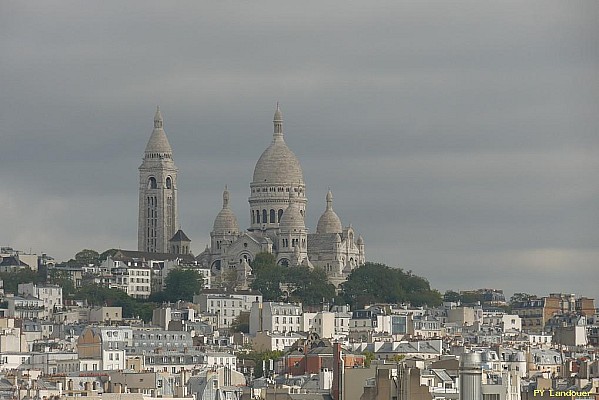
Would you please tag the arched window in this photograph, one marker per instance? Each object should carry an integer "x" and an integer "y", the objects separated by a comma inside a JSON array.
[
  {"x": 264, "y": 217},
  {"x": 169, "y": 183},
  {"x": 302, "y": 212},
  {"x": 253, "y": 217},
  {"x": 257, "y": 216},
  {"x": 272, "y": 216},
  {"x": 280, "y": 215},
  {"x": 152, "y": 183}
]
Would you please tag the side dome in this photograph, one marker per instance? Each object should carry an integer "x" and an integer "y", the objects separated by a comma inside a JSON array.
[
  {"x": 278, "y": 164},
  {"x": 226, "y": 221},
  {"x": 292, "y": 219},
  {"x": 329, "y": 221}
]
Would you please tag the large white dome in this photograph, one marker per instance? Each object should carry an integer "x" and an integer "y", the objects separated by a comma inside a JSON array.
[{"x": 278, "y": 164}]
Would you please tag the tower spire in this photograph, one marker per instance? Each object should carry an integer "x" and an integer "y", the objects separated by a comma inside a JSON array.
[
  {"x": 278, "y": 122},
  {"x": 158, "y": 122}
]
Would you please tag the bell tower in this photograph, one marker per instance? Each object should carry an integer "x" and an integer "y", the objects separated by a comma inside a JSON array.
[{"x": 158, "y": 214}]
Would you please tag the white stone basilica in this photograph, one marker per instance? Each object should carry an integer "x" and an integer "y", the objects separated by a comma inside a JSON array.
[{"x": 277, "y": 211}]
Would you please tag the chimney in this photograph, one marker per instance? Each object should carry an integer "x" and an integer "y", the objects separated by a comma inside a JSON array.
[{"x": 338, "y": 372}]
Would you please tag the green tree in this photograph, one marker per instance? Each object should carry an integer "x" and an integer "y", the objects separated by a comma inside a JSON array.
[
  {"x": 97, "y": 295},
  {"x": 62, "y": 279},
  {"x": 472, "y": 298},
  {"x": 263, "y": 260},
  {"x": 12, "y": 279},
  {"x": 517, "y": 297},
  {"x": 452, "y": 296},
  {"x": 241, "y": 323},
  {"x": 372, "y": 283},
  {"x": 182, "y": 284},
  {"x": 307, "y": 286},
  {"x": 229, "y": 279},
  {"x": 368, "y": 357},
  {"x": 110, "y": 252},
  {"x": 268, "y": 280},
  {"x": 259, "y": 357},
  {"x": 85, "y": 257}
]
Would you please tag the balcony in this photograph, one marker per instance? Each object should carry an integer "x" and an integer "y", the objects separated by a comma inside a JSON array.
[{"x": 28, "y": 307}]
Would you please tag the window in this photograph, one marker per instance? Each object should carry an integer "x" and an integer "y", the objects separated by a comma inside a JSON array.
[
  {"x": 152, "y": 183},
  {"x": 272, "y": 216},
  {"x": 169, "y": 183}
]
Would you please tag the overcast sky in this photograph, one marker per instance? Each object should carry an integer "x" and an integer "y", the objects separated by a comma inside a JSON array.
[{"x": 460, "y": 139}]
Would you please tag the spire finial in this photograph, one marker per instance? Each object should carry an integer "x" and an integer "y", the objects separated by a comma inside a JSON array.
[
  {"x": 329, "y": 200},
  {"x": 225, "y": 198},
  {"x": 158, "y": 122},
  {"x": 278, "y": 122}
]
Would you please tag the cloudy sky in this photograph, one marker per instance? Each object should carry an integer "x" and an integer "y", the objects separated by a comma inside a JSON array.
[{"x": 459, "y": 138}]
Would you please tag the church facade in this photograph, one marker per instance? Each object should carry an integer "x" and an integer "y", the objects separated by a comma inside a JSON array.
[{"x": 277, "y": 205}]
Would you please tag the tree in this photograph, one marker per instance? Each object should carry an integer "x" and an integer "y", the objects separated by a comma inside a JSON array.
[
  {"x": 451, "y": 296},
  {"x": 182, "y": 284},
  {"x": 372, "y": 283},
  {"x": 259, "y": 357},
  {"x": 268, "y": 280},
  {"x": 62, "y": 279},
  {"x": 368, "y": 357},
  {"x": 85, "y": 257},
  {"x": 303, "y": 284},
  {"x": 241, "y": 323},
  {"x": 12, "y": 279},
  {"x": 110, "y": 252},
  {"x": 96, "y": 295},
  {"x": 263, "y": 260},
  {"x": 307, "y": 286},
  {"x": 517, "y": 297},
  {"x": 229, "y": 278}
]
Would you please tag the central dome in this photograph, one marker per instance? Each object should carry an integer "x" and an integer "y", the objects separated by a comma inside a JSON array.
[{"x": 278, "y": 164}]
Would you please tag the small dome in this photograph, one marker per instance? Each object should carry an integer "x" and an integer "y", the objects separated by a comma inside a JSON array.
[
  {"x": 158, "y": 142},
  {"x": 292, "y": 218},
  {"x": 278, "y": 164},
  {"x": 329, "y": 221},
  {"x": 225, "y": 221}
]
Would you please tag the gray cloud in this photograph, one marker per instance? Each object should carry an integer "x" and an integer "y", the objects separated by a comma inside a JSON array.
[{"x": 460, "y": 139}]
